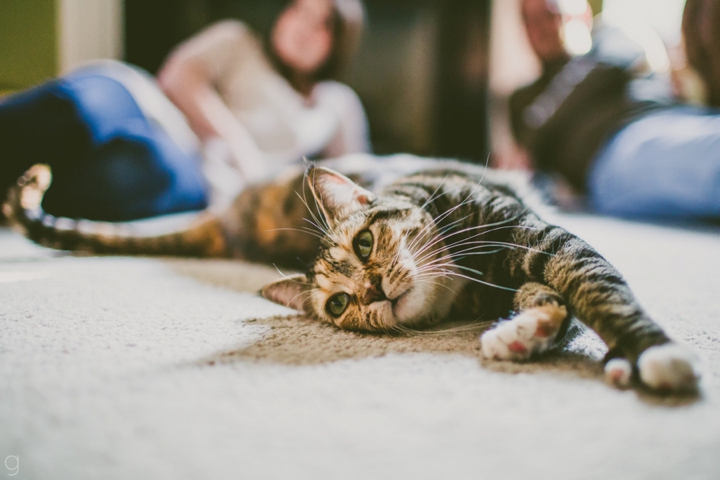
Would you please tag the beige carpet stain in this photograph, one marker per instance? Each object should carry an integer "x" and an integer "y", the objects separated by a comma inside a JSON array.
[
  {"x": 300, "y": 341},
  {"x": 296, "y": 340}
]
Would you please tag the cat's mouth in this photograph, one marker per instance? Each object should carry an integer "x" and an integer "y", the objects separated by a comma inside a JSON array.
[{"x": 397, "y": 302}]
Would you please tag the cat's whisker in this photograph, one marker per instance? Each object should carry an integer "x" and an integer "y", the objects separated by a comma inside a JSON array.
[
  {"x": 299, "y": 230},
  {"x": 453, "y": 258},
  {"x": 485, "y": 170},
  {"x": 428, "y": 246},
  {"x": 436, "y": 221},
  {"x": 434, "y": 195},
  {"x": 442, "y": 237},
  {"x": 440, "y": 270},
  {"x": 450, "y": 226},
  {"x": 474, "y": 326},
  {"x": 285, "y": 276},
  {"x": 472, "y": 279},
  {"x": 318, "y": 227},
  {"x": 300, "y": 295},
  {"x": 316, "y": 221},
  {"x": 420, "y": 235},
  {"x": 438, "y": 284},
  {"x": 510, "y": 245},
  {"x": 467, "y": 241},
  {"x": 425, "y": 253},
  {"x": 471, "y": 253},
  {"x": 432, "y": 264},
  {"x": 435, "y": 224},
  {"x": 520, "y": 227},
  {"x": 484, "y": 226},
  {"x": 325, "y": 221},
  {"x": 432, "y": 271},
  {"x": 456, "y": 255},
  {"x": 489, "y": 284},
  {"x": 447, "y": 213},
  {"x": 322, "y": 220}
]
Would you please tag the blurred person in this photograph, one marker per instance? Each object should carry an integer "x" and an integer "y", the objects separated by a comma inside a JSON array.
[
  {"x": 701, "y": 34},
  {"x": 226, "y": 109},
  {"x": 611, "y": 127}
]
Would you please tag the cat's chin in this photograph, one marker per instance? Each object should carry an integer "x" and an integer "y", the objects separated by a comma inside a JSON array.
[
  {"x": 401, "y": 307},
  {"x": 417, "y": 306},
  {"x": 426, "y": 303}
]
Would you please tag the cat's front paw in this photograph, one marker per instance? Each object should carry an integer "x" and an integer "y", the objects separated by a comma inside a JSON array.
[
  {"x": 670, "y": 368},
  {"x": 618, "y": 373},
  {"x": 531, "y": 332}
]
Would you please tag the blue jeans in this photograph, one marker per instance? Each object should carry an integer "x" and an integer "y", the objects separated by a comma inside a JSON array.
[
  {"x": 109, "y": 162},
  {"x": 664, "y": 164}
]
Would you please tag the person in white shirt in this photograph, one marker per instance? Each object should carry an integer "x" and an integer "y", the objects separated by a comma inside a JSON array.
[{"x": 226, "y": 110}]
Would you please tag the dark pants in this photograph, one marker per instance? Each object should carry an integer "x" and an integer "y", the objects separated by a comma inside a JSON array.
[{"x": 108, "y": 161}]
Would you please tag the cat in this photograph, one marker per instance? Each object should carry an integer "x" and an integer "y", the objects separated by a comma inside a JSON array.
[{"x": 406, "y": 246}]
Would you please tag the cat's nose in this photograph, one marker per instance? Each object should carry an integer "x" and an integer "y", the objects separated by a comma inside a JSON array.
[{"x": 374, "y": 292}]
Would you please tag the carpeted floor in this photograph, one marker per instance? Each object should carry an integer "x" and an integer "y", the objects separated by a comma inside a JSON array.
[{"x": 117, "y": 368}]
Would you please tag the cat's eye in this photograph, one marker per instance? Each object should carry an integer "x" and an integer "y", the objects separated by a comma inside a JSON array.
[
  {"x": 363, "y": 244},
  {"x": 337, "y": 304}
]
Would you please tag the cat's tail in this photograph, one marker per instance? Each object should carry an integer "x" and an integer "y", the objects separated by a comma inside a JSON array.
[{"x": 199, "y": 236}]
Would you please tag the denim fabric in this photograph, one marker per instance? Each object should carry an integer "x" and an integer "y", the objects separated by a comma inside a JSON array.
[
  {"x": 108, "y": 161},
  {"x": 664, "y": 164}
]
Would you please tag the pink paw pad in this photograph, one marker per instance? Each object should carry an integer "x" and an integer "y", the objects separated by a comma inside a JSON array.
[
  {"x": 545, "y": 331},
  {"x": 618, "y": 372}
]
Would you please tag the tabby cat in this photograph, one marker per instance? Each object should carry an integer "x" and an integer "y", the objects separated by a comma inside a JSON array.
[{"x": 409, "y": 244}]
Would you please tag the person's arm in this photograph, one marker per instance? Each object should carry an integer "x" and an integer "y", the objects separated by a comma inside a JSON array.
[
  {"x": 352, "y": 135},
  {"x": 511, "y": 155},
  {"x": 188, "y": 78},
  {"x": 701, "y": 31}
]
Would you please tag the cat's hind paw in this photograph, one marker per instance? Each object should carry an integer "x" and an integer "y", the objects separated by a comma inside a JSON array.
[
  {"x": 669, "y": 368},
  {"x": 531, "y": 332},
  {"x": 618, "y": 373}
]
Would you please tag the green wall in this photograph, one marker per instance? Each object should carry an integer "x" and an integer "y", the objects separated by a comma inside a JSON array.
[{"x": 28, "y": 42}]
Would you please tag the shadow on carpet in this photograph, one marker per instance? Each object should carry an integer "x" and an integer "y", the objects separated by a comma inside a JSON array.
[{"x": 298, "y": 341}]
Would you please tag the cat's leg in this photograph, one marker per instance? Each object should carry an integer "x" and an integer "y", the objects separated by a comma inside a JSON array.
[
  {"x": 599, "y": 297},
  {"x": 666, "y": 367},
  {"x": 541, "y": 322}
]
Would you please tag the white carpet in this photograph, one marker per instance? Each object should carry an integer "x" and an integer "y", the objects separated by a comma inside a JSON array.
[{"x": 118, "y": 368}]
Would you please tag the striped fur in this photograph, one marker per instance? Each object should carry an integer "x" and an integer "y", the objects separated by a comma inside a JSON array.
[
  {"x": 448, "y": 241},
  {"x": 488, "y": 244},
  {"x": 202, "y": 237},
  {"x": 458, "y": 243}
]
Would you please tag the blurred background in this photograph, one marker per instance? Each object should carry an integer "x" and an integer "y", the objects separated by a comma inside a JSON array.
[{"x": 433, "y": 75}]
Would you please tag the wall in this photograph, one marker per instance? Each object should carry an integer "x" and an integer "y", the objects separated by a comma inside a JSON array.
[
  {"x": 90, "y": 29},
  {"x": 28, "y": 42},
  {"x": 40, "y": 39}
]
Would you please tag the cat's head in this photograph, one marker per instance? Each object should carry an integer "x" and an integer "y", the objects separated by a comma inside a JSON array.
[{"x": 381, "y": 265}]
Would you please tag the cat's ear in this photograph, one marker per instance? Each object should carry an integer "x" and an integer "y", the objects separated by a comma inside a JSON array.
[
  {"x": 335, "y": 194},
  {"x": 290, "y": 292}
]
